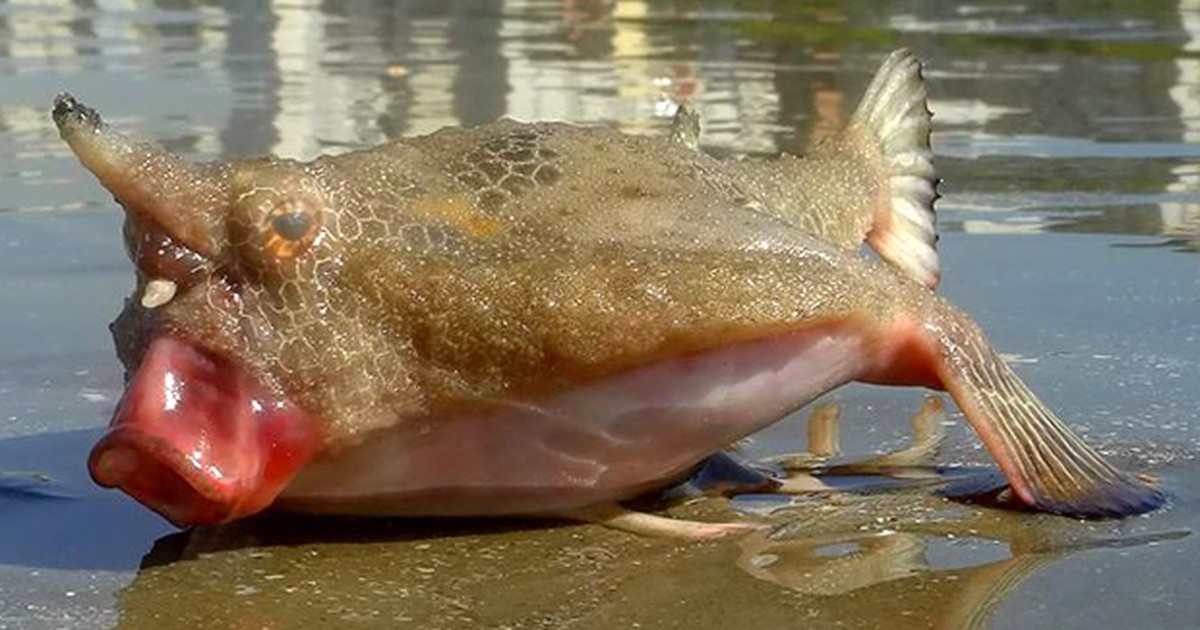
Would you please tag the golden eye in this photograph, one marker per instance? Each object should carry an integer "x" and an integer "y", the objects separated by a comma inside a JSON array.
[{"x": 290, "y": 230}]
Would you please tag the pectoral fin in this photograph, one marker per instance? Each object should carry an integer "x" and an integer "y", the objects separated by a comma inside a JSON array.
[
  {"x": 1049, "y": 467},
  {"x": 654, "y": 526}
]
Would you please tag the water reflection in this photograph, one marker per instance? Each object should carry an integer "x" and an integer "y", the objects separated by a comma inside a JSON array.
[
  {"x": 1181, "y": 221},
  {"x": 896, "y": 559},
  {"x": 965, "y": 598},
  {"x": 919, "y": 563},
  {"x": 875, "y": 561},
  {"x": 302, "y": 78}
]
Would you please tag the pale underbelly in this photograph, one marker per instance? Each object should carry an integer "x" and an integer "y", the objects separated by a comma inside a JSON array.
[{"x": 607, "y": 441}]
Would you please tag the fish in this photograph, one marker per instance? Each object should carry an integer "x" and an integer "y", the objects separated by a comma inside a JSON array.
[{"x": 536, "y": 318}]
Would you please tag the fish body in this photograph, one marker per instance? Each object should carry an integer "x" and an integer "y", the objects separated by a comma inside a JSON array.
[{"x": 533, "y": 318}]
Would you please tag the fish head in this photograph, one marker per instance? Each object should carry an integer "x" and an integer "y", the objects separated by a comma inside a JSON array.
[{"x": 244, "y": 350}]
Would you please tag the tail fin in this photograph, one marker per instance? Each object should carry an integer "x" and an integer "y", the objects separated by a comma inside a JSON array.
[
  {"x": 894, "y": 115},
  {"x": 1047, "y": 465}
]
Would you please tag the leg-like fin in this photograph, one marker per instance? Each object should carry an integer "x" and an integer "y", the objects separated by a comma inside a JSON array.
[
  {"x": 894, "y": 117},
  {"x": 823, "y": 431},
  {"x": 643, "y": 524},
  {"x": 1048, "y": 466},
  {"x": 822, "y": 441},
  {"x": 928, "y": 435},
  {"x": 722, "y": 474},
  {"x": 823, "y": 444}
]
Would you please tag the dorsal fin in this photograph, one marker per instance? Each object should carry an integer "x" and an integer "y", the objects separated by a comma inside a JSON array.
[
  {"x": 685, "y": 127},
  {"x": 894, "y": 114}
]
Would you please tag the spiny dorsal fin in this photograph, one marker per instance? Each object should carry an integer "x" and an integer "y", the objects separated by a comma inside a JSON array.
[{"x": 894, "y": 113}]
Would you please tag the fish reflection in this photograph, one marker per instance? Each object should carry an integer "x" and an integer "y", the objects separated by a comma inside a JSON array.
[
  {"x": 899, "y": 558},
  {"x": 833, "y": 565},
  {"x": 956, "y": 566},
  {"x": 955, "y": 562},
  {"x": 838, "y": 566}
]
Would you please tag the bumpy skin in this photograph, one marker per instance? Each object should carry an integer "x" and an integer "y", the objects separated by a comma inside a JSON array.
[
  {"x": 500, "y": 263},
  {"x": 444, "y": 275}
]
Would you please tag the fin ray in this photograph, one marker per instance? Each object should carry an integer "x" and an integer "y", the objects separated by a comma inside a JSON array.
[
  {"x": 1048, "y": 465},
  {"x": 894, "y": 115}
]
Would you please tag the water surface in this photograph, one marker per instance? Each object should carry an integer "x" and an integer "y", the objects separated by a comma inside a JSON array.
[{"x": 1068, "y": 135}]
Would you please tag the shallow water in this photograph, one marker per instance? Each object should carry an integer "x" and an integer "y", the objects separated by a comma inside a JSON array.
[{"x": 1068, "y": 135}]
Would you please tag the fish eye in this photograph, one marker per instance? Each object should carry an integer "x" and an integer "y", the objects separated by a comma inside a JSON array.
[
  {"x": 292, "y": 226},
  {"x": 278, "y": 214},
  {"x": 290, "y": 229}
]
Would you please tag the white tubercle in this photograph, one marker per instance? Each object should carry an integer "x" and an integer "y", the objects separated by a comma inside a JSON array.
[{"x": 158, "y": 292}]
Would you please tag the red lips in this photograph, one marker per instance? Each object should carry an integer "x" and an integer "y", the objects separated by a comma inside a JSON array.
[{"x": 198, "y": 440}]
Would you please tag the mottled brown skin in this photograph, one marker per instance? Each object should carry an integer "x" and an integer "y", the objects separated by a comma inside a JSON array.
[
  {"x": 438, "y": 283},
  {"x": 472, "y": 269}
]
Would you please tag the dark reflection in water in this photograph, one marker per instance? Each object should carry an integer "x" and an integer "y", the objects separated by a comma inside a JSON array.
[
  {"x": 901, "y": 560},
  {"x": 905, "y": 558},
  {"x": 1051, "y": 118}
]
